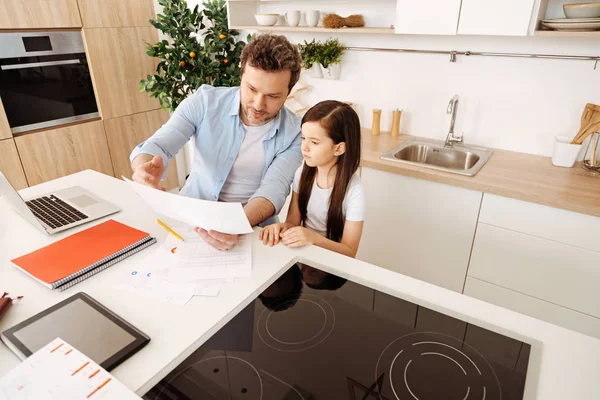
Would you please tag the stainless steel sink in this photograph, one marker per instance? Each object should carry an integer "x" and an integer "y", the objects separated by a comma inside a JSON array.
[{"x": 459, "y": 159}]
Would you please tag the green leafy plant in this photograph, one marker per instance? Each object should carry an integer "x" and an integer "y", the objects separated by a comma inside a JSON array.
[
  {"x": 201, "y": 50},
  {"x": 330, "y": 52},
  {"x": 309, "y": 52}
]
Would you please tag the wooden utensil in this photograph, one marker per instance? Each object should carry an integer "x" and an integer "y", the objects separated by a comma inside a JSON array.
[
  {"x": 590, "y": 130},
  {"x": 586, "y": 116},
  {"x": 591, "y": 127}
]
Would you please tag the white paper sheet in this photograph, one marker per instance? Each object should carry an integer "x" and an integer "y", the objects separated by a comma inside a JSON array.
[
  {"x": 145, "y": 279},
  {"x": 60, "y": 372},
  {"x": 198, "y": 261},
  {"x": 211, "y": 215}
]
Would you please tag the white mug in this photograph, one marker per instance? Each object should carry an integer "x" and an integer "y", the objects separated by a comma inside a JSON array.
[
  {"x": 312, "y": 17},
  {"x": 293, "y": 17}
]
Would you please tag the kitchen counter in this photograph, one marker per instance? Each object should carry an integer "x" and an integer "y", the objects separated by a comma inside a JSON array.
[
  {"x": 510, "y": 174},
  {"x": 564, "y": 364}
]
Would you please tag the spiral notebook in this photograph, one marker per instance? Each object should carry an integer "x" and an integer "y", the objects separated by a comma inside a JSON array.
[{"x": 75, "y": 258}]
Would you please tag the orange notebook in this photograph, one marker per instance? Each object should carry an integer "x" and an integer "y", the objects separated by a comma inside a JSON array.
[{"x": 75, "y": 258}]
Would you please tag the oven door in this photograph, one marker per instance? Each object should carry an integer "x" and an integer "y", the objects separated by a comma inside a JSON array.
[{"x": 44, "y": 91}]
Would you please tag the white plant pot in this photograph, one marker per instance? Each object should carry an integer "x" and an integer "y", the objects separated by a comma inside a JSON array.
[
  {"x": 332, "y": 72},
  {"x": 314, "y": 71}
]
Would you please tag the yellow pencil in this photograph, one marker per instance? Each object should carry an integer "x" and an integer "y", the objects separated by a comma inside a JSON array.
[{"x": 171, "y": 231}]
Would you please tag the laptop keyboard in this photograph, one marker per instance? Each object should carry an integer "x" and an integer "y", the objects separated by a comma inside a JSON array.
[{"x": 54, "y": 212}]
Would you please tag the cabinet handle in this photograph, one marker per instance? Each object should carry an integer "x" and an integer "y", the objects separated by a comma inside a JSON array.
[{"x": 39, "y": 64}]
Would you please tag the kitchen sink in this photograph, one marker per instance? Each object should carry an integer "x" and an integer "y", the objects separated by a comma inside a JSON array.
[{"x": 459, "y": 159}]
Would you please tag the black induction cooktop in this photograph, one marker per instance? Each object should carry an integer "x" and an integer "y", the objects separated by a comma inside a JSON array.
[{"x": 313, "y": 335}]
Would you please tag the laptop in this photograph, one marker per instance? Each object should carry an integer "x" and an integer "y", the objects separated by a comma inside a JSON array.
[{"x": 57, "y": 211}]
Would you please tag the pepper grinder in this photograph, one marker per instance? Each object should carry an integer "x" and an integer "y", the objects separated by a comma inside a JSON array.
[
  {"x": 376, "y": 128},
  {"x": 396, "y": 116}
]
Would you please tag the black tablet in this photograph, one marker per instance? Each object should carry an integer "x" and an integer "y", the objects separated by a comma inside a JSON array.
[{"x": 85, "y": 324}]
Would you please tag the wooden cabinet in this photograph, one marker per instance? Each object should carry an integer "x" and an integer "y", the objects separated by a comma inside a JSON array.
[
  {"x": 125, "y": 133},
  {"x": 433, "y": 17},
  {"x": 116, "y": 13},
  {"x": 118, "y": 61},
  {"x": 36, "y": 14},
  {"x": 10, "y": 164},
  {"x": 493, "y": 17},
  {"x": 5, "y": 132},
  {"x": 418, "y": 228},
  {"x": 54, "y": 153}
]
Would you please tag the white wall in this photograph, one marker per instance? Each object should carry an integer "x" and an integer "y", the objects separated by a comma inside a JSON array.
[{"x": 507, "y": 103}]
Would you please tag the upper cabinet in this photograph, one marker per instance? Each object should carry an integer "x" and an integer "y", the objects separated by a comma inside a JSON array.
[
  {"x": 116, "y": 13},
  {"x": 5, "y": 131},
  {"x": 118, "y": 61},
  {"x": 493, "y": 17},
  {"x": 433, "y": 17},
  {"x": 467, "y": 17},
  {"x": 35, "y": 14}
]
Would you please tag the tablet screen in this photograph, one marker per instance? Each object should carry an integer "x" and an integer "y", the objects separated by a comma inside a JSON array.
[{"x": 80, "y": 325}]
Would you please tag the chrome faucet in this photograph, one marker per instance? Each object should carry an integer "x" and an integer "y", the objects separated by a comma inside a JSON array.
[{"x": 452, "y": 109}]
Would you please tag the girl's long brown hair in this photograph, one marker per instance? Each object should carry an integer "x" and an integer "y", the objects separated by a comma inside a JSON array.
[{"x": 342, "y": 125}]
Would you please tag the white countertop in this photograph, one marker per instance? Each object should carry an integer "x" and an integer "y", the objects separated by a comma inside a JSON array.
[{"x": 563, "y": 364}]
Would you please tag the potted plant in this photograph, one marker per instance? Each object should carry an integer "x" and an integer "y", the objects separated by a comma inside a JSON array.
[
  {"x": 309, "y": 52},
  {"x": 329, "y": 56},
  {"x": 201, "y": 50}
]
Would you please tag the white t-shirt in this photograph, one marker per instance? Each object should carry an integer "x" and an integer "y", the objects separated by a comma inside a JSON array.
[
  {"x": 246, "y": 174},
  {"x": 318, "y": 205}
]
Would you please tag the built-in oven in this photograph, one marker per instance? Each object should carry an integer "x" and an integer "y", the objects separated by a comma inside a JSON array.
[{"x": 45, "y": 80}]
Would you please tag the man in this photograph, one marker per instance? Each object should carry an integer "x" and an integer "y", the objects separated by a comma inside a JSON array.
[{"x": 246, "y": 143}]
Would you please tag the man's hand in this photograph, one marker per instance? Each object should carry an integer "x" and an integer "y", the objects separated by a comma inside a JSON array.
[
  {"x": 148, "y": 171},
  {"x": 220, "y": 241}
]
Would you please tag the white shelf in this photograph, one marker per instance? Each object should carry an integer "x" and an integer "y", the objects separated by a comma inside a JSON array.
[
  {"x": 590, "y": 34},
  {"x": 283, "y": 28}
]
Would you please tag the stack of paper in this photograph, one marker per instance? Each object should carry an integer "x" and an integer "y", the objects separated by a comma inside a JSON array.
[
  {"x": 60, "y": 372},
  {"x": 179, "y": 270}
]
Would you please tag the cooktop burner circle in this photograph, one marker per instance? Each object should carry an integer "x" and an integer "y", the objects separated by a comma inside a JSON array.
[
  {"x": 322, "y": 319},
  {"x": 416, "y": 365},
  {"x": 241, "y": 360},
  {"x": 319, "y": 308}
]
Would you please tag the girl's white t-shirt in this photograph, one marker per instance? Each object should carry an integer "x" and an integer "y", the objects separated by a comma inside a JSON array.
[{"x": 318, "y": 205}]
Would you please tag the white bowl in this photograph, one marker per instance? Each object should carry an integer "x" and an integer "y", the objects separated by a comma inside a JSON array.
[
  {"x": 266, "y": 19},
  {"x": 585, "y": 10}
]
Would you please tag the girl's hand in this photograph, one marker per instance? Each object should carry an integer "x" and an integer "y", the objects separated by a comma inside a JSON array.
[
  {"x": 299, "y": 236},
  {"x": 270, "y": 234}
]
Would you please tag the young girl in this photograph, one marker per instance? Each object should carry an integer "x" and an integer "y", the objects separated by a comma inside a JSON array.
[{"x": 328, "y": 204}]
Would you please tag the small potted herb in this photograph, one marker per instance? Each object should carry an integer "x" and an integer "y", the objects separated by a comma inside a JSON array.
[
  {"x": 330, "y": 56},
  {"x": 309, "y": 52}
]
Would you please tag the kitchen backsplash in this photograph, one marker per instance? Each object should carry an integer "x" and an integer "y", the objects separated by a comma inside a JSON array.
[{"x": 506, "y": 103}]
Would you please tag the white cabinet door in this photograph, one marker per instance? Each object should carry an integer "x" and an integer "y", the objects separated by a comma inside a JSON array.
[
  {"x": 432, "y": 17},
  {"x": 564, "y": 275},
  {"x": 533, "y": 307},
  {"x": 418, "y": 228},
  {"x": 493, "y": 17}
]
